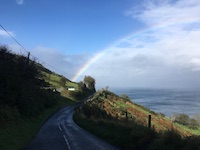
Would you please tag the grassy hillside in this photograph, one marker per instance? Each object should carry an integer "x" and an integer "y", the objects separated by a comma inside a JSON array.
[
  {"x": 29, "y": 94},
  {"x": 125, "y": 124},
  {"x": 54, "y": 79},
  {"x": 26, "y": 100}
]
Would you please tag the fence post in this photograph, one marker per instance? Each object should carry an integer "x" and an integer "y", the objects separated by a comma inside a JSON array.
[
  {"x": 28, "y": 58},
  {"x": 149, "y": 121},
  {"x": 126, "y": 116}
]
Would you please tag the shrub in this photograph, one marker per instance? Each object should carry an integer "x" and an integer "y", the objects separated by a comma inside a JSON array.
[
  {"x": 8, "y": 114},
  {"x": 20, "y": 92},
  {"x": 182, "y": 119},
  {"x": 193, "y": 124},
  {"x": 126, "y": 97},
  {"x": 187, "y": 121},
  {"x": 63, "y": 81},
  {"x": 168, "y": 140}
]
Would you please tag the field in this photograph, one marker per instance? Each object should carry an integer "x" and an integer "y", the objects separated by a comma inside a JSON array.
[{"x": 54, "y": 80}]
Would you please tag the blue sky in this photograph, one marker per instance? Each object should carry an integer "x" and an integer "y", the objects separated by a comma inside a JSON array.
[
  {"x": 142, "y": 43},
  {"x": 72, "y": 27}
]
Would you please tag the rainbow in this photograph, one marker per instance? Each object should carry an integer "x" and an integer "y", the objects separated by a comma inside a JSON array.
[
  {"x": 134, "y": 34},
  {"x": 103, "y": 52},
  {"x": 96, "y": 57},
  {"x": 87, "y": 65}
]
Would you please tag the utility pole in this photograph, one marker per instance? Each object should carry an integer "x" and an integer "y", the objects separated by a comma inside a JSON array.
[{"x": 28, "y": 58}]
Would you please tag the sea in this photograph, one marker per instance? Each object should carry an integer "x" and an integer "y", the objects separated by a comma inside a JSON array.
[{"x": 165, "y": 101}]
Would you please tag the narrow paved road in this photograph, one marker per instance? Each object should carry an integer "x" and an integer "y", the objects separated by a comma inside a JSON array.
[{"x": 61, "y": 133}]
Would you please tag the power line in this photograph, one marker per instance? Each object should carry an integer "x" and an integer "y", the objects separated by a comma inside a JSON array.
[
  {"x": 33, "y": 55},
  {"x": 13, "y": 38},
  {"x": 45, "y": 63}
]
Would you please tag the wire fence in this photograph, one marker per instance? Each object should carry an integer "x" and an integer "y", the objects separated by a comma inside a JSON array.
[{"x": 21, "y": 50}]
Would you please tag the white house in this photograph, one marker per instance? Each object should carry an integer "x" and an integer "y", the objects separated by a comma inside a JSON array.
[{"x": 71, "y": 88}]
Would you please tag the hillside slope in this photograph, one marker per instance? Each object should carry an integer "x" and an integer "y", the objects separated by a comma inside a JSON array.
[
  {"x": 25, "y": 99},
  {"x": 125, "y": 124}
]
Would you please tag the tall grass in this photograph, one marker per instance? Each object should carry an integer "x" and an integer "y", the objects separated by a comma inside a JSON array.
[{"x": 123, "y": 135}]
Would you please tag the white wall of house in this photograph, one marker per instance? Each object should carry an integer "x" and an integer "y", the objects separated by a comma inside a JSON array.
[{"x": 71, "y": 89}]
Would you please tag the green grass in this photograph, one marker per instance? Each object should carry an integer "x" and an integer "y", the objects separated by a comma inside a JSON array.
[
  {"x": 17, "y": 135},
  {"x": 122, "y": 104},
  {"x": 193, "y": 131},
  {"x": 72, "y": 84},
  {"x": 54, "y": 80}
]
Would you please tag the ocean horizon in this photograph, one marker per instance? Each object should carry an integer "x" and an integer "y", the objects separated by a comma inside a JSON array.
[{"x": 165, "y": 101}]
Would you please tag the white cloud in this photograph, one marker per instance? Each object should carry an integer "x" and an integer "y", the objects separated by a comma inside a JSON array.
[
  {"x": 58, "y": 62},
  {"x": 5, "y": 34},
  {"x": 53, "y": 59},
  {"x": 20, "y": 2},
  {"x": 168, "y": 55},
  {"x": 156, "y": 12},
  {"x": 195, "y": 64}
]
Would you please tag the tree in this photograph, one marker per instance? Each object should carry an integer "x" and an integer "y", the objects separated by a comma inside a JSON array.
[
  {"x": 81, "y": 86},
  {"x": 89, "y": 82},
  {"x": 63, "y": 81},
  {"x": 182, "y": 119},
  {"x": 193, "y": 124}
]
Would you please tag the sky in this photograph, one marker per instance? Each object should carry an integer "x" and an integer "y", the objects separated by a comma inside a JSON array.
[{"x": 120, "y": 43}]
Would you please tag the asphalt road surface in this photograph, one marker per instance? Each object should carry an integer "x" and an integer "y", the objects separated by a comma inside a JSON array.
[{"x": 61, "y": 133}]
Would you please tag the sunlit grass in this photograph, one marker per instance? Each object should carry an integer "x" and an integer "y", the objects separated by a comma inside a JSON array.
[
  {"x": 54, "y": 80},
  {"x": 121, "y": 104},
  {"x": 72, "y": 84},
  {"x": 193, "y": 131}
]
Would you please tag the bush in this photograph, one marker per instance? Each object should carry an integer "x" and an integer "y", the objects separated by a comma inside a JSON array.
[
  {"x": 182, "y": 119},
  {"x": 8, "y": 114},
  {"x": 94, "y": 111},
  {"x": 63, "y": 81},
  {"x": 126, "y": 97},
  {"x": 193, "y": 124},
  {"x": 186, "y": 120},
  {"x": 21, "y": 93}
]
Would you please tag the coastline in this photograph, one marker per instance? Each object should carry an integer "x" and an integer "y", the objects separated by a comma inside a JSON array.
[{"x": 166, "y": 101}]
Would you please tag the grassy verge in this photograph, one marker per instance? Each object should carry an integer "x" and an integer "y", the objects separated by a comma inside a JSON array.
[
  {"x": 17, "y": 135},
  {"x": 123, "y": 135},
  {"x": 193, "y": 131},
  {"x": 136, "y": 137}
]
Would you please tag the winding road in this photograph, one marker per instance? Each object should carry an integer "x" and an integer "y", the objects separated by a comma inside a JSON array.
[{"x": 61, "y": 133}]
